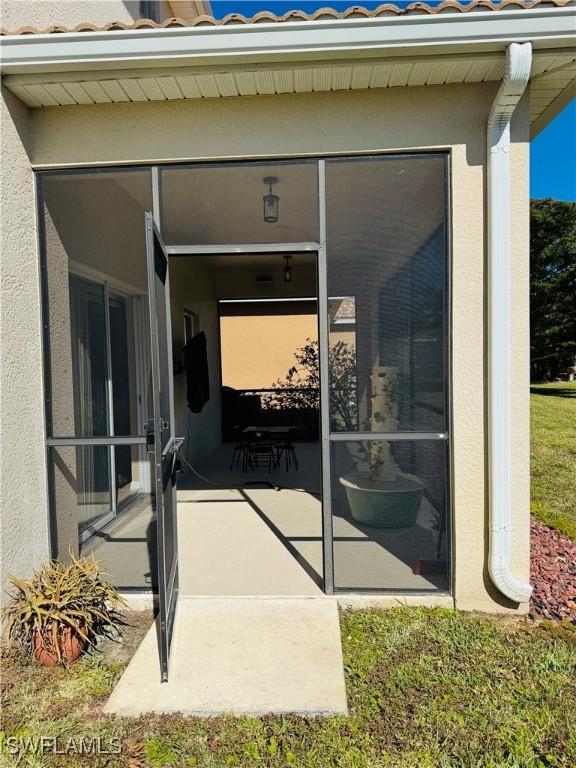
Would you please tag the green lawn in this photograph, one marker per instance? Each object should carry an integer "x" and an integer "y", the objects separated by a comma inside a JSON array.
[
  {"x": 553, "y": 455},
  {"x": 426, "y": 688}
]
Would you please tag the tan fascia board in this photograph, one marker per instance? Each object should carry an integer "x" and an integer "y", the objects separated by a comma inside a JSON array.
[{"x": 554, "y": 108}]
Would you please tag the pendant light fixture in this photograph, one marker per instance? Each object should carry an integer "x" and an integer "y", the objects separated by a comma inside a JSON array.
[
  {"x": 271, "y": 201},
  {"x": 287, "y": 270}
]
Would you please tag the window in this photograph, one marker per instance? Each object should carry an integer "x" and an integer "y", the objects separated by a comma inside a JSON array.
[{"x": 150, "y": 9}]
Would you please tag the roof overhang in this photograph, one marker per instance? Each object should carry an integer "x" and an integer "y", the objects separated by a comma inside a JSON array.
[{"x": 334, "y": 54}]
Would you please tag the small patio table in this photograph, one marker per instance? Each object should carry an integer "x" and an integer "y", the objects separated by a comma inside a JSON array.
[
  {"x": 279, "y": 442},
  {"x": 269, "y": 430}
]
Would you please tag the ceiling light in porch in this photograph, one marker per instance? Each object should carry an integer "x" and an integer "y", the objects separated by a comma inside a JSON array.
[
  {"x": 271, "y": 201},
  {"x": 287, "y": 270}
]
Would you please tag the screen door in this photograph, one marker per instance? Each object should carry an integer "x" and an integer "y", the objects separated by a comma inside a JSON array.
[{"x": 163, "y": 443}]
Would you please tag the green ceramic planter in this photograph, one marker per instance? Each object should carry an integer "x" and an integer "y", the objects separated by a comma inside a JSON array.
[{"x": 384, "y": 504}]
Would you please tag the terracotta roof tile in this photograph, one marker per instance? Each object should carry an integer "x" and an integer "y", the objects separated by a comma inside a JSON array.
[{"x": 264, "y": 17}]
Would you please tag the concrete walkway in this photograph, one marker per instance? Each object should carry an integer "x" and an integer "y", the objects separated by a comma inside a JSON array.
[
  {"x": 232, "y": 548},
  {"x": 243, "y": 656}
]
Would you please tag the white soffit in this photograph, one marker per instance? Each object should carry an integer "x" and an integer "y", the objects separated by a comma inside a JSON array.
[
  {"x": 551, "y": 89},
  {"x": 263, "y": 59},
  {"x": 106, "y": 87}
]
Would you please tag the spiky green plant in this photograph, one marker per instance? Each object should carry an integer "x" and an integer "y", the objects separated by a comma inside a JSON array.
[{"x": 59, "y": 596}]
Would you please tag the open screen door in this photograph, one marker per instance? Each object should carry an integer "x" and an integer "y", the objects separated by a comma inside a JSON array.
[{"x": 162, "y": 442}]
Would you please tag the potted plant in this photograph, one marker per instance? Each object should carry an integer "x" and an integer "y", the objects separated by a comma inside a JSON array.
[
  {"x": 379, "y": 493},
  {"x": 61, "y": 609}
]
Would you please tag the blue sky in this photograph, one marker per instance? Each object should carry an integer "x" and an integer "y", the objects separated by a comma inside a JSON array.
[
  {"x": 553, "y": 158},
  {"x": 248, "y": 7},
  {"x": 553, "y": 151}
]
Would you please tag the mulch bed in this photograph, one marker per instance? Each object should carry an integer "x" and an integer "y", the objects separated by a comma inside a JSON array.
[
  {"x": 552, "y": 573},
  {"x": 121, "y": 649}
]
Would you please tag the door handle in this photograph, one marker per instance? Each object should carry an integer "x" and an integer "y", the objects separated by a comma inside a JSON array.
[
  {"x": 150, "y": 434},
  {"x": 172, "y": 446}
]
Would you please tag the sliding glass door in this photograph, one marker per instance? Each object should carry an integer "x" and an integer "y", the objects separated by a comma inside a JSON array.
[
  {"x": 122, "y": 386},
  {"x": 103, "y": 343},
  {"x": 89, "y": 330}
]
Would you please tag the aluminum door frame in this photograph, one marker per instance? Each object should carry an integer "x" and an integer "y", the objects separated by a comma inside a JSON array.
[
  {"x": 324, "y": 351},
  {"x": 328, "y": 436},
  {"x": 319, "y": 248},
  {"x": 165, "y": 442}
]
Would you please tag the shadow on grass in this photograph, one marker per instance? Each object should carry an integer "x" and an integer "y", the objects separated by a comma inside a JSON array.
[{"x": 554, "y": 391}]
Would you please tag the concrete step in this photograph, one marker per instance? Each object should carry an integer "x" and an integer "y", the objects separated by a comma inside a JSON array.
[{"x": 242, "y": 656}]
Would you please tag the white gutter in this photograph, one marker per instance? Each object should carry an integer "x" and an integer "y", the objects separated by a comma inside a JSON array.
[
  {"x": 517, "y": 74},
  {"x": 304, "y": 40}
]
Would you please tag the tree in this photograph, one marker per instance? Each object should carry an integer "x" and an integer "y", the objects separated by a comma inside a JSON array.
[
  {"x": 552, "y": 288},
  {"x": 300, "y": 388}
]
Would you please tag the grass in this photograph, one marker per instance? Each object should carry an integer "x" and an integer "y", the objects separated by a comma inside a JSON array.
[
  {"x": 426, "y": 688},
  {"x": 553, "y": 455}
]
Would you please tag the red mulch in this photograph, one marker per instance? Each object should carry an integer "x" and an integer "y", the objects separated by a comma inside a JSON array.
[{"x": 552, "y": 573}]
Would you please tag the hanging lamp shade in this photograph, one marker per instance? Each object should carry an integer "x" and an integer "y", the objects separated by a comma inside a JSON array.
[{"x": 271, "y": 201}]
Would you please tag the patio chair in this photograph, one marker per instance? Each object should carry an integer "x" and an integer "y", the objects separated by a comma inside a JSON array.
[
  {"x": 286, "y": 448},
  {"x": 240, "y": 449},
  {"x": 260, "y": 452}
]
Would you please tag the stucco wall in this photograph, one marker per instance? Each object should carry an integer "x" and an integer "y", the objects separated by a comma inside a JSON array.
[
  {"x": 45, "y": 13},
  {"x": 449, "y": 117},
  {"x": 192, "y": 288},
  {"x": 520, "y": 300},
  {"x": 23, "y": 508}
]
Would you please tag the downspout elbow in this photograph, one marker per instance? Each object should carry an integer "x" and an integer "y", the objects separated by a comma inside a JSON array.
[
  {"x": 503, "y": 578},
  {"x": 516, "y": 77}
]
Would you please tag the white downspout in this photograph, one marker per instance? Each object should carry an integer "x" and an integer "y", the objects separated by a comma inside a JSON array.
[{"x": 517, "y": 74}]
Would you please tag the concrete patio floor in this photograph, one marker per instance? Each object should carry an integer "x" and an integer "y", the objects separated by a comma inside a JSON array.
[
  {"x": 260, "y": 533},
  {"x": 242, "y": 656},
  {"x": 257, "y": 539}
]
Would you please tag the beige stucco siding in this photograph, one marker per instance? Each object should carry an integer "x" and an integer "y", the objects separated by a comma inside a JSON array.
[
  {"x": 469, "y": 380},
  {"x": 443, "y": 117},
  {"x": 192, "y": 289},
  {"x": 520, "y": 301},
  {"x": 267, "y": 126},
  {"x": 45, "y": 13},
  {"x": 23, "y": 504}
]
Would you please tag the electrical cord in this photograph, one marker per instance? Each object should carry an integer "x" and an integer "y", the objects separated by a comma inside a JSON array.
[{"x": 228, "y": 487}]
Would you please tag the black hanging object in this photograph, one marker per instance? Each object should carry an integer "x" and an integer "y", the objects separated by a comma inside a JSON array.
[{"x": 196, "y": 367}]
